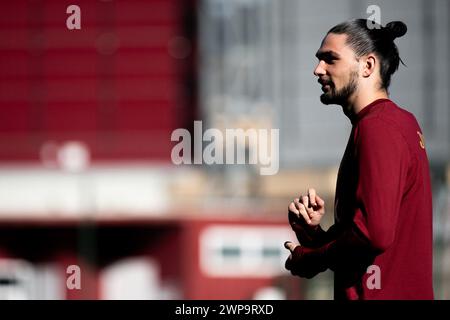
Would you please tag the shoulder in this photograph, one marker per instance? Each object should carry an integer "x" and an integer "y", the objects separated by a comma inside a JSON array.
[
  {"x": 376, "y": 127},
  {"x": 390, "y": 117},
  {"x": 392, "y": 126}
]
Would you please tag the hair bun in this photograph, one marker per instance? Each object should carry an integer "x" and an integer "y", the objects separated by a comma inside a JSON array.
[{"x": 395, "y": 29}]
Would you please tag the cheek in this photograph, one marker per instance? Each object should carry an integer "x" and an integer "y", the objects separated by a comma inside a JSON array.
[
  {"x": 337, "y": 75},
  {"x": 338, "y": 79},
  {"x": 342, "y": 79}
]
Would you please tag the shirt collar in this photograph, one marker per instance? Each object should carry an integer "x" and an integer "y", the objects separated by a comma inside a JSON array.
[{"x": 366, "y": 110}]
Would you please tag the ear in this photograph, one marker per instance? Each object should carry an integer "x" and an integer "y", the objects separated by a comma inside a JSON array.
[{"x": 369, "y": 65}]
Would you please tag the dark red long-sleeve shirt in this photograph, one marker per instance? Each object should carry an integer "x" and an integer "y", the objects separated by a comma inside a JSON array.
[{"x": 383, "y": 210}]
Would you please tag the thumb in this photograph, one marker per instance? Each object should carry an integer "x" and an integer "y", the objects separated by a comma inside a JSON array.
[
  {"x": 290, "y": 246},
  {"x": 320, "y": 201}
]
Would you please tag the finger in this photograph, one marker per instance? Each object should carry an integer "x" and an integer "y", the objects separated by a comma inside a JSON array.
[
  {"x": 290, "y": 246},
  {"x": 309, "y": 210},
  {"x": 320, "y": 201},
  {"x": 320, "y": 205},
  {"x": 288, "y": 263},
  {"x": 312, "y": 196},
  {"x": 316, "y": 215},
  {"x": 293, "y": 208},
  {"x": 305, "y": 201},
  {"x": 297, "y": 203},
  {"x": 303, "y": 212}
]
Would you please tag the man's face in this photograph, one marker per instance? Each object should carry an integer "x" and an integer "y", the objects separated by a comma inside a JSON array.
[{"x": 338, "y": 70}]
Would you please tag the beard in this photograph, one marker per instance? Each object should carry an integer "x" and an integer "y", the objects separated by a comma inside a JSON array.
[{"x": 340, "y": 97}]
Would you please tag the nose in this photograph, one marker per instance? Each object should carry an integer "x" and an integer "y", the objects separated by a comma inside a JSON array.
[{"x": 319, "y": 70}]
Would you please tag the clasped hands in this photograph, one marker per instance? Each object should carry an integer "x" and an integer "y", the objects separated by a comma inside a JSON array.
[{"x": 303, "y": 261}]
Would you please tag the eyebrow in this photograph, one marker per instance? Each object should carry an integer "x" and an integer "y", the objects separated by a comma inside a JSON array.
[{"x": 330, "y": 54}]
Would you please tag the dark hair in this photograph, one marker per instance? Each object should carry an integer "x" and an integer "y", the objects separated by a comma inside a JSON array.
[{"x": 366, "y": 36}]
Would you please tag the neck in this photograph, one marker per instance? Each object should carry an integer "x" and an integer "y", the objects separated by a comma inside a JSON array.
[{"x": 359, "y": 101}]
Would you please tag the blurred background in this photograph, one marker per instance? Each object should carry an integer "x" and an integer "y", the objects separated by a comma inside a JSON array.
[{"x": 86, "y": 117}]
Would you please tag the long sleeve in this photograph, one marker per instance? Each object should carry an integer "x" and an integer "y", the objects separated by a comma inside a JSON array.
[
  {"x": 349, "y": 249},
  {"x": 382, "y": 158},
  {"x": 312, "y": 237}
]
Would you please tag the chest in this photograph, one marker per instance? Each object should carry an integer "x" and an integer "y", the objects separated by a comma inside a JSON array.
[{"x": 346, "y": 184}]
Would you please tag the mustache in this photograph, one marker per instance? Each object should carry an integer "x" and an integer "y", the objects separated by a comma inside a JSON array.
[{"x": 324, "y": 82}]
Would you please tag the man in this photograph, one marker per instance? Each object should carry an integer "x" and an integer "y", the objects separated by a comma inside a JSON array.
[{"x": 380, "y": 246}]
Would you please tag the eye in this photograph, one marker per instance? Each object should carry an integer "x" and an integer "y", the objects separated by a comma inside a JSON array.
[
  {"x": 327, "y": 57},
  {"x": 328, "y": 60}
]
